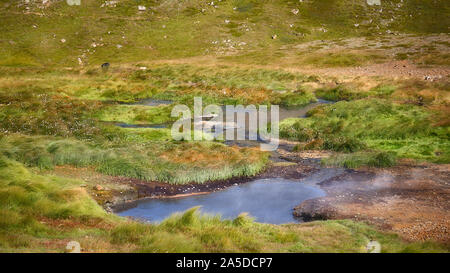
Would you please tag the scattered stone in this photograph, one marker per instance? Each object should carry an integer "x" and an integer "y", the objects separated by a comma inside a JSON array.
[
  {"x": 63, "y": 41},
  {"x": 295, "y": 11},
  {"x": 111, "y": 4},
  {"x": 105, "y": 67},
  {"x": 98, "y": 187},
  {"x": 374, "y": 2},
  {"x": 142, "y": 8},
  {"x": 73, "y": 2}
]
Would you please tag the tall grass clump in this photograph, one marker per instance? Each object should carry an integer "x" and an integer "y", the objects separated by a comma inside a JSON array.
[
  {"x": 358, "y": 159},
  {"x": 24, "y": 195},
  {"x": 168, "y": 162},
  {"x": 376, "y": 124}
]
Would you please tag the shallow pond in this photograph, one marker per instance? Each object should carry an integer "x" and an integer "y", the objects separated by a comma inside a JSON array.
[{"x": 267, "y": 200}]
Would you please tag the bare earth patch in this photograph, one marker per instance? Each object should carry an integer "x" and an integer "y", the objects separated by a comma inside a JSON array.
[{"x": 411, "y": 200}]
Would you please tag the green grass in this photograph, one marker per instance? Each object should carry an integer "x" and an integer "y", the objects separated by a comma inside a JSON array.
[
  {"x": 43, "y": 128},
  {"x": 348, "y": 92},
  {"x": 174, "y": 30},
  {"x": 405, "y": 130},
  {"x": 296, "y": 98},
  {"x": 358, "y": 159},
  {"x": 140, "y": 156},
  {"x": 224, "y": 84},
  {"x": 37, "y": 110},
  {"x": 341, "y": 59},
  {"x": 136, "y": 114}
]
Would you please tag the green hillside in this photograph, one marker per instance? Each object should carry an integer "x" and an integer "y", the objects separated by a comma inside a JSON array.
[{"x": 56, "y": 33}]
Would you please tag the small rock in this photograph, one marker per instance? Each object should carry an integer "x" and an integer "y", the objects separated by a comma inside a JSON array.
[
  {"x": 98, "y": 188},
  {"x": 73, "y": 2}
]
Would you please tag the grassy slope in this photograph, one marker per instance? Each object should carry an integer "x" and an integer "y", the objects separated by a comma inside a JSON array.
[{"x": 169, "y": 29}]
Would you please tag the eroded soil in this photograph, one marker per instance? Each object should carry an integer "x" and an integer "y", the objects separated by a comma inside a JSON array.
[{"x": 412, "y": 200}]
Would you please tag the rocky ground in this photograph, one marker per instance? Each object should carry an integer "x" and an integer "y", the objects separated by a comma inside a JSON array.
[{"x": 412, "y": 200}]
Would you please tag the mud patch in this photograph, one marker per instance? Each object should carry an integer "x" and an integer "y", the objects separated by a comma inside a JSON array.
[{"x": 411, "y": 200}]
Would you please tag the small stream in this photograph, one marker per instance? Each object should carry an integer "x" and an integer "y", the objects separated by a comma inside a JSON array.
[{"x": 268, "y": 200}]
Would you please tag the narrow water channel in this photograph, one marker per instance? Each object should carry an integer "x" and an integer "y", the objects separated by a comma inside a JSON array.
[{"x": 269, "y": 200}]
